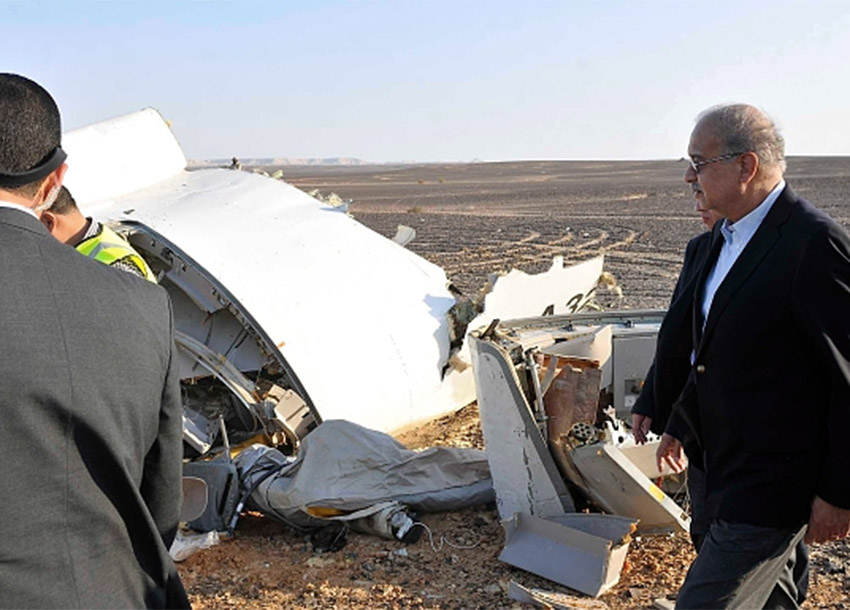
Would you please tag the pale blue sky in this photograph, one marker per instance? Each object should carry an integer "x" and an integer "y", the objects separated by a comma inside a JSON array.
[{"x": 440, "y": 81}]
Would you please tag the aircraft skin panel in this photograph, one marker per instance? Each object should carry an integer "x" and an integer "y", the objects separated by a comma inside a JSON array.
[
  {"x": 114, "y": 157},
  {"x": 360, "y": 319}
]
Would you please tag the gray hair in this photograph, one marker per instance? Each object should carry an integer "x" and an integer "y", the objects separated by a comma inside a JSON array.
[{"x": 744, "y": 128}]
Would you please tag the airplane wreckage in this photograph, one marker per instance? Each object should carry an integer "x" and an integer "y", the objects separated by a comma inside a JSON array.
[{"x": 303, "y": 337}]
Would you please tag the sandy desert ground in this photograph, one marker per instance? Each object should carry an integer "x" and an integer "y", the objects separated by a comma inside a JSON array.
[{"x": 476, "y": 219}]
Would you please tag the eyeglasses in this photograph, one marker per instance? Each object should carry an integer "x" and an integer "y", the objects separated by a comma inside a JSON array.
[{"x": 696, "y": 165}]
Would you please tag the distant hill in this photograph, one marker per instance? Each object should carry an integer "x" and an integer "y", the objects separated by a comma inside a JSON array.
[{"x": 278, "y": 162}]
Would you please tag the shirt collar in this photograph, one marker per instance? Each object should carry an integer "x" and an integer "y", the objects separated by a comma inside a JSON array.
[
  {"x": 92, "y": 230},
  {"x": 746, "y": 227},
  {"x": 17, "y": 206}
]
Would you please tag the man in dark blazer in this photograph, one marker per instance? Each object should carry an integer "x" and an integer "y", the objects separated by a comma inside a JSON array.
[
  {"x": 670, "y": 367},
  {"x": 90, "y": 439},
  {"x": 767, "y": 399}
]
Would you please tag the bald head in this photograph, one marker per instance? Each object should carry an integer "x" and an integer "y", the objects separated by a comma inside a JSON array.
[{"x": 745, "y": 128}]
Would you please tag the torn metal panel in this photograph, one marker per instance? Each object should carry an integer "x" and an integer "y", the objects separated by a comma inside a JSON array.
[
  {"x": 571, "y": 403},
  {"x": 569, "y": 392},
  {"x": 121, "y": 155},
  {"x": 195, "y": 498},
  {"x": 518, "y": 294},
  {"x": 618, "y": 485},
  {"x": 525, "y": 476},
  {"x": 582, "y": 551},
  {"x": 404, "y": 235},
  {"x": 595, "y": 343},
  {"x": 587, "y": 454},
  {"x": 278, "y": 416},
  {"x": 511, "y": 293},
  {"x": 550, "y": 600},
  {"x": 643, "y": 456},
  {"x": 265, "y": 275},
  {"x": 290, "y": 291},
  {"x": 635, "y": 350}
]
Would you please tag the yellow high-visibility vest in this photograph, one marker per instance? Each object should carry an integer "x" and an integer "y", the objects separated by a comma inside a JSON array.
[{"x": 108, "y": 247}]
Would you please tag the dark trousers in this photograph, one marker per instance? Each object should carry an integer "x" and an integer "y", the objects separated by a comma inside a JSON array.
[
  {"x": 747, "y": 566},
  {"x": 702, "y": 517},
  {"x": 700, "y": 513}
]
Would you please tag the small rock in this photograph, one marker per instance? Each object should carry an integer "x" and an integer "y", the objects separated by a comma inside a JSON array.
[
  {"x": 493, "y": 589},
  {"x": 368, "y": 566},
  {"x": 401, "y": 552},
  {"x": 480, "y": 521}
]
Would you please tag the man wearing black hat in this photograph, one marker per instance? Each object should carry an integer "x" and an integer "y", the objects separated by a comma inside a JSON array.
[{"x": 90, "y": 440}]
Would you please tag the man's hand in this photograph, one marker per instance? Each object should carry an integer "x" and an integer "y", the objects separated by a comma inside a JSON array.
[
  {"x": 827, "y": 522},
  {"x": 670, "y": 451},
  {"x": 640, "y": 427}
]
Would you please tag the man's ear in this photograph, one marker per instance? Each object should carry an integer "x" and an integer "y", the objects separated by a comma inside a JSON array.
[
  {"x": 59, "y": 174},
  {"x": 48, "y": 219},
  {"x": 53, "y": 182},
  {"x": 749, "y": 167}
]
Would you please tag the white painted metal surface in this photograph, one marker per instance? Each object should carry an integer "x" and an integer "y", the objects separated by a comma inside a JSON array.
[
  {"x": 618, "y": 485},
  {"x": 120, "y": 155},
  {"x": 360, "y": 319},
  {"x": 525, "y": 477},
  {"x": 585, "y": 552}
]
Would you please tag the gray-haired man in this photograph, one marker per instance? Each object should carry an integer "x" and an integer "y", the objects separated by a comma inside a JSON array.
[{"x": 768, "y": 397}]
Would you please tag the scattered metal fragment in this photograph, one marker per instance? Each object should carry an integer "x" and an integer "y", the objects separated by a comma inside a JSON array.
[
  {"x": 551, "y": 600},
  {"x": 582, "y": 551},
  {"x": 615, "y": 483},
  {"x": 525, "y": 476},
  {"x": 555, "y": 377},
  {"x": 404, "y": 235}
]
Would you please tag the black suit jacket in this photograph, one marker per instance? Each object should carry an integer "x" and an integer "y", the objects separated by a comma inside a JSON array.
[
  {"x": 768, "y": 400},
  {"x": 90, "y": 431},
  {"x": 672, "y": 362}
]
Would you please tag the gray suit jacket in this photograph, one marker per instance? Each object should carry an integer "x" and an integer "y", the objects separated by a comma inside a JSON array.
[{"x": 90, "y": 430}]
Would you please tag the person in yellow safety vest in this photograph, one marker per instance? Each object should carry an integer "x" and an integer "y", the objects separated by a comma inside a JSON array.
[{"x": 67, "y": 224}]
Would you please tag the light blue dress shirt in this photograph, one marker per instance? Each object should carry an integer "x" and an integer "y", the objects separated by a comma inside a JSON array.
[{"x": 736, "y": 236}]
